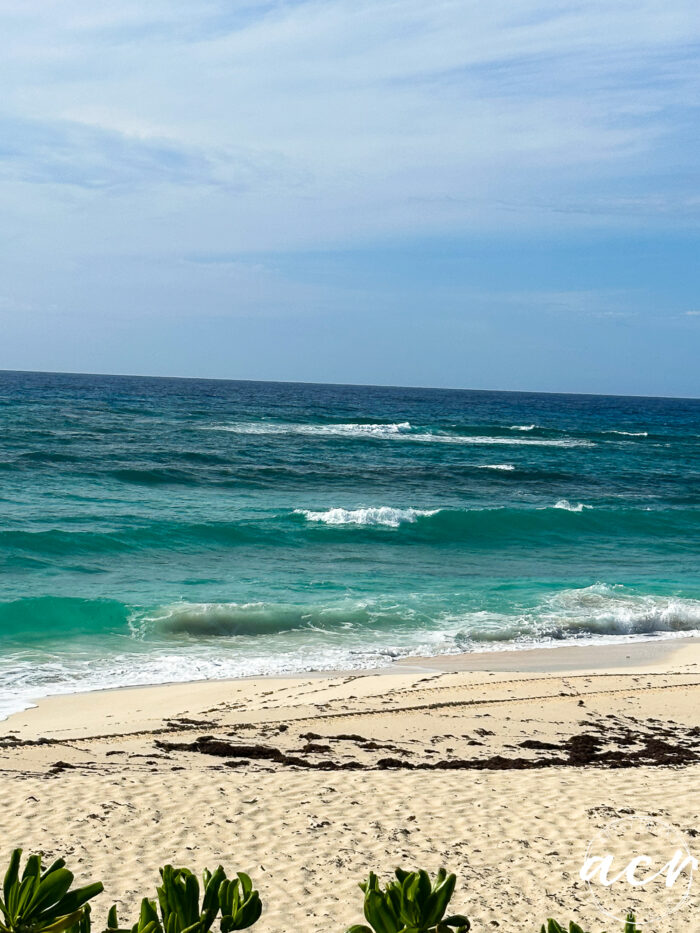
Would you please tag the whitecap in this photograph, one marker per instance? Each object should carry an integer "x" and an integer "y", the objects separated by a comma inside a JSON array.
[
  {"x": 328, "y": 430},
  {"x": 570, "y": 507},
  {"x": 400, "y": 431},
  {"x": 377, "y": 515}
]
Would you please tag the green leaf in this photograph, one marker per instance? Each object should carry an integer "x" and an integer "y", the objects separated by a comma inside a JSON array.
[
  {"x": 62, "y": 923},
  {"x": 379, "y": 915},
  {"x": 439, "y": 899},
  {"x": 12, "y": 873},
  {"x": 76, "y": 898},
  {"x": 50, "y": 891}
]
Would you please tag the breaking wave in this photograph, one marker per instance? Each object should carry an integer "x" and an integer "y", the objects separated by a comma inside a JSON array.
[
  {"x": 379, "y": 515},
  {"x": 188, "y": 641},
  {"x": 590, "y": 613},
  {"x": 569, "y": 507},
  {"x": 210, "y": 619},
  {"x": 323, "y": 430},
  {"x": 402, "y": 431}
]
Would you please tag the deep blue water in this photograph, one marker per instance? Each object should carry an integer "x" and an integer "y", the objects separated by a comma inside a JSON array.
[{"x": 166, "y": 529}]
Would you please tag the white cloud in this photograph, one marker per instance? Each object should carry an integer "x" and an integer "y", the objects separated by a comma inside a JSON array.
[{"x": 293, "y": 124}]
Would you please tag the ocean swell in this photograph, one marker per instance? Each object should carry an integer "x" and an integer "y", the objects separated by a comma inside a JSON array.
[{"x": 545, "y": 525}]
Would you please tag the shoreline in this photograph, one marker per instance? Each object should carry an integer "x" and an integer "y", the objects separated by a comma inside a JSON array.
[
  {"x": 309, "y": 782},
  {"x": 649, "y": 654}
]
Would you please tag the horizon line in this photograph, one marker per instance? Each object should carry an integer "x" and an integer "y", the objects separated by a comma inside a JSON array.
[{"x": 360, "y": 385}]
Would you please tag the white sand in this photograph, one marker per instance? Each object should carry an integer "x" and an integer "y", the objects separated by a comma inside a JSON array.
[{"x": 516, "y": 838}]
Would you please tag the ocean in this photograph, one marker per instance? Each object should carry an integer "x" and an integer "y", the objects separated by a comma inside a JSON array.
[{"x": 156, "y": 530}]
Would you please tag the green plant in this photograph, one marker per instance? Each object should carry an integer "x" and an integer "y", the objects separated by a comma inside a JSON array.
[
  {"x": 240, "y": 904},
  {"x": 411, "y": 904},
  {"x": 180, "y": 909},
  {"x": 232, "y": 899},
  {"x": 41, "y": 901},
  {"x": 84, "y": 924},
  {"x": 148, "y": 921},
  {"x": 553, "y": 927}
]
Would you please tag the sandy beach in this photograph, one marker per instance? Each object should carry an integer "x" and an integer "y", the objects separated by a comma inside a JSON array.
[{"x": 500, "y": 766}]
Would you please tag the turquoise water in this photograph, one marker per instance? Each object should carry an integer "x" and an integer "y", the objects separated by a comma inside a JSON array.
[{"x": 160, "y": 529}]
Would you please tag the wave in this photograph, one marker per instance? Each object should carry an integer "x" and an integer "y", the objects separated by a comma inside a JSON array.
[
  {"x": 394, "y": 431},
  {"x": 629, "y": 433},
  {"x": 496, "y": 466},
  {"x": 562, "y": 524},
  {"x": 354, "y": 429},
  {"x": 544, "y": 525},
  {"x": 523, "y": 427},
  {"x": 378, "y": 515},
  {"x": 164, "y": 476},
  {"x": 567, "y": 506},
  {"x": 211, "y": 619},
  {"x": 588, "y": 613},
  {"x": 196, "y": 641},
  {"x": 44, "y": 618},
  {"x": 600, "y": 609}
]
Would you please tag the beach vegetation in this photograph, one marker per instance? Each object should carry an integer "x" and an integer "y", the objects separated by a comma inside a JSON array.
[
  {"x": 410, "y": 904},
  {"x": 148, "y": 921},
  {"x": 41, "y": 900},
  {"x": 187, "y": 908}
]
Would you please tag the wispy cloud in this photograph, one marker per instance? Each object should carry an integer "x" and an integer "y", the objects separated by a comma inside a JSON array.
[
  {"x": 68, "y": 153},
  {"x": 235, "y": 159},
  {"x": 366, "y": 117}
]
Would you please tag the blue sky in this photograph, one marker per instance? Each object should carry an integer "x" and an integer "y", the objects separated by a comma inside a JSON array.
[{"x": 489, "y": 195}]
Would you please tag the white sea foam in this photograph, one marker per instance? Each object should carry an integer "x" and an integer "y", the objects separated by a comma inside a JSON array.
[
  {"x": 365, "y": 635},
  {"x": 598, "y": 613},
  {"x": 629, "y": 433},
  {"x": 378, "y": 515},
  {"x": 322, "y": 430},
  {"x": 570, "y": 507},
  {"x": 498, "y": 441},
  {"x": 523, "y": 427},
  {"x": 400, "y": 431},
  {"x": 602, "y": 609},
  {"x": 495, "y": 466}
]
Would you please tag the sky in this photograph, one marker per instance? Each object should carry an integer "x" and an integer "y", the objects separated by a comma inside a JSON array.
[{"x": 498, "y": 195}]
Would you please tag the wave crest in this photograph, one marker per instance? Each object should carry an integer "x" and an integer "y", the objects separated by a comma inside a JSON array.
[
  {"x": 378, "y": 515},
  {"x": 322, "y": 430},
  {"x": 208, "y": 619},
  {"x": 401, "y": 430},
  {"x": 570, "y": 507}
]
